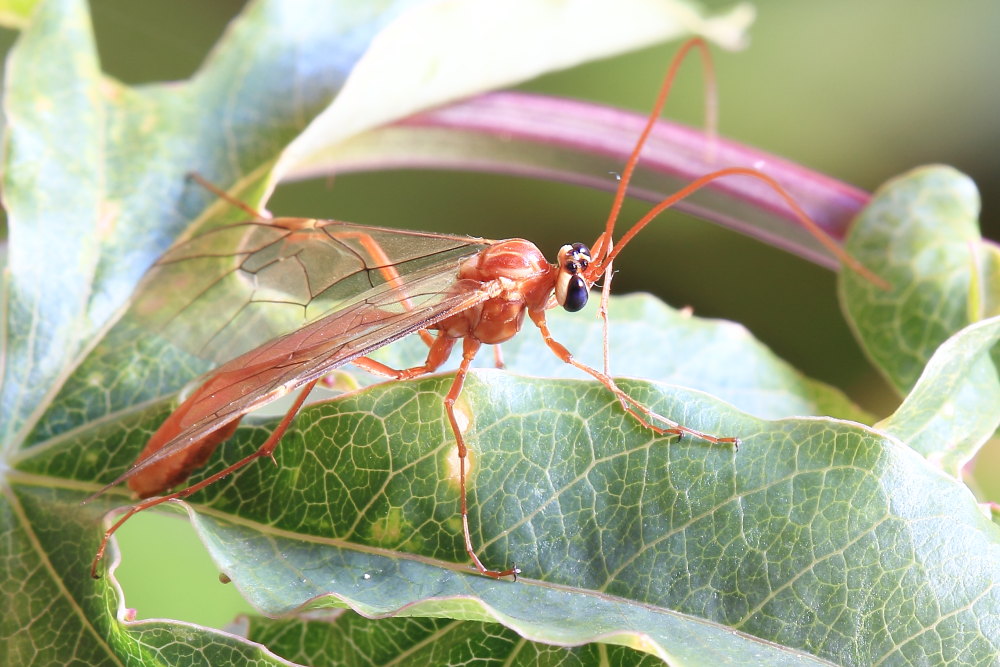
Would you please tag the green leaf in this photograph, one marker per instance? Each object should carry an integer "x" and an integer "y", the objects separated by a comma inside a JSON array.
[
  {"x": 351, "y": 637},
  {"x": 797, "y": 538},
  {"x": 952, "y": 410},
  {"x": 53, "y": 143},
  {"x": 920, "y": 233},
  {"x": 94, "y": 191},
  {"x": 56, "y": 615}
]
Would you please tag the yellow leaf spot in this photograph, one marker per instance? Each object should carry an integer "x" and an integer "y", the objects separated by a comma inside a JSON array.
[
  {"x": 389, "y": 529},
  {"x": 453, "y": 463},
  {"x": 462, "y": 415},
  {"x": 454, "y": 524}
]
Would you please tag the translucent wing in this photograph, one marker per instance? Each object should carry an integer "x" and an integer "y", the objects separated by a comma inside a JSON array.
[
  {"x": 227, "y": 291},
  {"x": 396, "y": 299}
]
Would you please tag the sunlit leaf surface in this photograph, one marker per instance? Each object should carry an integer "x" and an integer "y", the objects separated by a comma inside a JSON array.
[
  {"x": 931, "y": 333},
  {"x": 952, "y": 409}
]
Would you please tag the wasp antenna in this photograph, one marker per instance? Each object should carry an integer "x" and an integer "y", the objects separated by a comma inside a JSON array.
[
  {"x": 597, "y": 247},
  {"x": 829, "y": 243},
  {"x": 711, "y": 122}
]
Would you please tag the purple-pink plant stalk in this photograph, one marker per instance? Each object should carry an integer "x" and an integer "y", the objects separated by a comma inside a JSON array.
[{"x": 586, "y": 143}]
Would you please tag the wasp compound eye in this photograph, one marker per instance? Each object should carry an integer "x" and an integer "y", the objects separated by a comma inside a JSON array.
[
  {"x": 571, "y": 289},
  {"x": 579, "y": 254},
  {"x": 576, "y": 294}
]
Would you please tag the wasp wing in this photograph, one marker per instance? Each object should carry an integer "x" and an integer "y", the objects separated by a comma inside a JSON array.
[
  {"x": 228, "y": 290},
  {"x": 400, "y": 299}
]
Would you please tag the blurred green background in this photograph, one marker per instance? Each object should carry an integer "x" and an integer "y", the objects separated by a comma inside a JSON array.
[{"x": 859, "y": 90}]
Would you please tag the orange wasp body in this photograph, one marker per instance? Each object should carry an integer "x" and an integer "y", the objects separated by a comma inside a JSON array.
[{"x": 473, "y": 290}]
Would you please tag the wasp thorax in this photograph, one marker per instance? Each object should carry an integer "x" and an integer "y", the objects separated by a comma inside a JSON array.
[
  {"x": 571, "y": 289},
  {"x": 515, "y": 259}
]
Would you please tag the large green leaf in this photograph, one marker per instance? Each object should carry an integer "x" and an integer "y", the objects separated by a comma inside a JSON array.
[
  {"x": 817, "y": 534},
  {"x": 348, "y": 638},
  {"x": 921, "y": 234},
  {"x": 931, "y": 332},
  {"x": 351, "y": 639},
  {"x": 39, "y": 329},
  {"x": 952, "y": 410}
]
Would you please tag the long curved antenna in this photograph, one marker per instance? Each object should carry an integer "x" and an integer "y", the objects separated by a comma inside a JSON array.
[
  {"x": 711, "y": 122},
  {"x": 831, "y": 245}
]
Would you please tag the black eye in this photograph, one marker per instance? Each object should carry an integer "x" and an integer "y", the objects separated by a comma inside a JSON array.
[
  {"x": 576, "y": 294},
  {"x": 572, "y": 267},
  {"x": 581, "y": 254}
]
